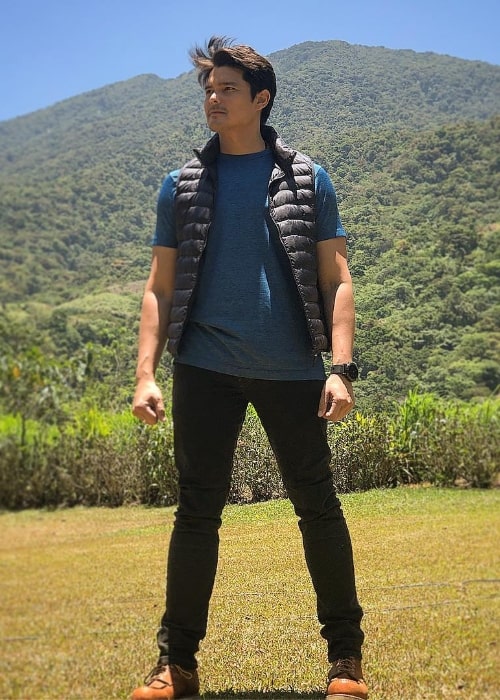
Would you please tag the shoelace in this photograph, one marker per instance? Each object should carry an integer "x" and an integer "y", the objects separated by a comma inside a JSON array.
[
  {"x": 345, "y": 667},
  {"x": 182, "y": 672},
  {"x": 157, "y": 670}
]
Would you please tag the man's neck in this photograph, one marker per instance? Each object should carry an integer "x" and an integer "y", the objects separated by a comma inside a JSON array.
[{"x": 238, "y": 144}]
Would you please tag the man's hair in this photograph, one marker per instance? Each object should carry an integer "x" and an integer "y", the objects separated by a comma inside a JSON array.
[{"x": 257, "y": 71}]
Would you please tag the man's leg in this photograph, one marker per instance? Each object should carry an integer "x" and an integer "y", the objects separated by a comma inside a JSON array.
[
  {"x": 208, "y": 412},
  {"x": 288, "y": 411}
]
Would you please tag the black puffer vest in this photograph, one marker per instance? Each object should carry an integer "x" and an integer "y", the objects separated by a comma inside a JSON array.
[{"x": 291, "y": 210}]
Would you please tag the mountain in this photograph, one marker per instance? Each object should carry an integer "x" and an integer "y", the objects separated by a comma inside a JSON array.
[
  {"x": 322, "y": 86},
  {"x": 411, "y": 142}
]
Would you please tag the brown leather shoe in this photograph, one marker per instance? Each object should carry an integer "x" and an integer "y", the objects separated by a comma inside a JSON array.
[
  {"x": 345, "y": 680},
  {"x": 169, "y": 683}
]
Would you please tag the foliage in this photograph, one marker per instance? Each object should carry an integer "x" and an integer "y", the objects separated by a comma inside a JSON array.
[
  {"x": 361, "y": 453},
  {"x": 98, "y": 458},
  {"x": 36, "y": 387},
  {"x": 255, "y": 474},
  {"x": 410, "y": 141},
  {"x": 444, "y": 443}
]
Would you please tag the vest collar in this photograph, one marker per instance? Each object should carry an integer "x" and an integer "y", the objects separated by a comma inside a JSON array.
[{"x": 283, "y": 154}]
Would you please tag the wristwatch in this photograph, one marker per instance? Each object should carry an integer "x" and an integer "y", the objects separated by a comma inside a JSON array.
[{"x": 349, "y": 370}]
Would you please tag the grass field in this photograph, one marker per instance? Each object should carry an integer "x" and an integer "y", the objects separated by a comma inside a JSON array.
[{"x": 82, "y": 594}]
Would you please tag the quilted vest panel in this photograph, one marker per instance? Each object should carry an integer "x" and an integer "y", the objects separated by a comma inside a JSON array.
[{"x": 291, "y": 211}]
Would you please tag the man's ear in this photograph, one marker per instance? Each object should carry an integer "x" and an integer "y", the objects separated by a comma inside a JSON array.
[{"x": 262, "y": 98}]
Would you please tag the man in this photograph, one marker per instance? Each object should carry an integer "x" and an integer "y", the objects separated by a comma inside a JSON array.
[{"x": 249, "y": 284}]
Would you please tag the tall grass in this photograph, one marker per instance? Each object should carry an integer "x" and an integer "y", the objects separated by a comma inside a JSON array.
[
  {"x": 97, "y": 459},
  {"x": 112, "y": 459},
  {"x": 446, "y": 443}
]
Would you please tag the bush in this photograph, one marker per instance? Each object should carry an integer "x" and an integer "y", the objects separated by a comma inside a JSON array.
[
  {"x": 154, "y": 454},
  {"x": 255, "y": 474},
  {"x": 112, "y": 459},
  {"x": 446, "y": 443},
  {"x": 97, "y": 459},
  {"x": 360, "y": 453}
]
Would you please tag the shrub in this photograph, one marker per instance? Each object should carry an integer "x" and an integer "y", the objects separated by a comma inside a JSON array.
[
  {"x": 360, "y": 454},
  {"x": 154, "y": 459},
  {"x": 107, "y": 459},
  {"x": 445, "y": 442},
  {"x": 255, "y": 474}
]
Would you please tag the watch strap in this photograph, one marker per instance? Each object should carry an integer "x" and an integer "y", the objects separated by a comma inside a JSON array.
[
  {"x": 338, "y": 369},
  {"x": 349, "y": 370}
]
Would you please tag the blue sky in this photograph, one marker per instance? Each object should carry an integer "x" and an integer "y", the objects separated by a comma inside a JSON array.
[{"x": 54, "y": 49}]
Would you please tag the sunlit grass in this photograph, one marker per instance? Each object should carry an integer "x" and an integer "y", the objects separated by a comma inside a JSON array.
[{"x": 82, "y": 594}]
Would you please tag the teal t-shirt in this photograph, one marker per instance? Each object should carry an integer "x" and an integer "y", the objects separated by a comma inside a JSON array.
[{"x": 247, "y": 318}]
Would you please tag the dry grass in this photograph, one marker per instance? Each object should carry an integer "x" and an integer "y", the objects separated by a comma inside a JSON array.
[{"x": 82, "y": 595}]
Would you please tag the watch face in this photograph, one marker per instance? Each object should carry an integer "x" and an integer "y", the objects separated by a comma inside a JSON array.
[{"x": 352, "y": 371}]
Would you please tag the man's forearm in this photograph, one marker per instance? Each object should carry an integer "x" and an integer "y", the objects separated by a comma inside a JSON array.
[
  {"x": 339, "y": 307},
  {"x": 152, "y": 334}
]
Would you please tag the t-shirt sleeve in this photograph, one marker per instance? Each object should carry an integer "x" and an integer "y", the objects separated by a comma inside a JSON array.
[
  {"x": 328, "y": 223},
  {"x": 165, "y": 233}
]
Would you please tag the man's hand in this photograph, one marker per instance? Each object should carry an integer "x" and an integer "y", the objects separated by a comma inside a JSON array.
[
  {"x": 337, "y": 398},
  {"x": 148, "y": 402}
]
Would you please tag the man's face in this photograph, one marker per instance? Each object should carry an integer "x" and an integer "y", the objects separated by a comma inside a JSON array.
[{"x": 228, "y": 101}]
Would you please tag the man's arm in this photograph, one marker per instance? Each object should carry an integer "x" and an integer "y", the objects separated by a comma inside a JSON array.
[
  {"x": 335, "y": 284},
  {"x": 157, "y": 300}
]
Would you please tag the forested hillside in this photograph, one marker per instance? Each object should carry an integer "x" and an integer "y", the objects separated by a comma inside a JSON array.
[{"x": 411, "y": 142}]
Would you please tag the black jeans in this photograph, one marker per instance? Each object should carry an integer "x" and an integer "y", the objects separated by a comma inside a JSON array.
[{"x": 208, "y": 412}]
